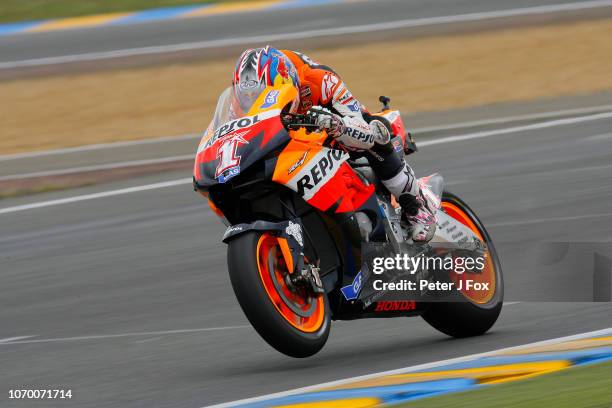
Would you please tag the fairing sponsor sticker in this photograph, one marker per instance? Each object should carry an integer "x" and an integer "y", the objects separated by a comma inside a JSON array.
[
  {"x": 298, "y": 163},
  {"x": 395, "y": 306},
  {"x": 237, "y": 124},
  {"x": 270, "y": 99},
  {"x": 350, "y": 292},
  {"x": 318, "y": 171},
  {"x": 229, "y": 160},
  {"x": 295, "y": 230}
]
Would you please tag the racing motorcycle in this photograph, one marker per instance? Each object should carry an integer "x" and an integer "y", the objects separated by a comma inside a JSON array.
[{"x": 305, "y": 217}]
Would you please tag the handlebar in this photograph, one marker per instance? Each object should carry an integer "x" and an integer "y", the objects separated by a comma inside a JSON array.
[{"x": 295, "y": 121}]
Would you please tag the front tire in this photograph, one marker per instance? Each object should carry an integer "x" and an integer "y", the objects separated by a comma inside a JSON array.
[
  {"x": 469, "y": 315},
  {"x": 293, "y": 323}
]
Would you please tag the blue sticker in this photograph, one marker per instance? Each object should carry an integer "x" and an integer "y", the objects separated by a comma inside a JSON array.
[
  {"x": 228, "y": 174},
  {"x": 270, "y": 99},
  {"x": 354, "y": 106},
  {"x": 351, "y": 291}
]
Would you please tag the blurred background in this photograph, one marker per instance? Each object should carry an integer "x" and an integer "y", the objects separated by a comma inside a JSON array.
[{"x": 113, "y": 279}]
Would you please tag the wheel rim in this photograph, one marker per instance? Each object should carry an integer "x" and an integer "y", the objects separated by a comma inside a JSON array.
[
  {"x": 488, "y": 272},
  {"x": 304, "y": 312}
]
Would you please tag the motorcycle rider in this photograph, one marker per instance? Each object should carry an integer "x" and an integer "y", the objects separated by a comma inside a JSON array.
[{"x": 321, "y": 90}]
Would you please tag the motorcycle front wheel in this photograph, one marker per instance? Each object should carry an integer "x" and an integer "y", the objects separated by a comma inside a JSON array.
[{"x": 289, "y": 319}]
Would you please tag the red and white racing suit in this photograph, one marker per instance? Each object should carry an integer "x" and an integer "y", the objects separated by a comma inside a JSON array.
[{"x": 321, "y": 86}]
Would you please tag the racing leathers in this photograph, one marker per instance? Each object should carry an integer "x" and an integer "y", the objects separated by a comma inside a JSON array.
[{"x": 322, "y": 90}]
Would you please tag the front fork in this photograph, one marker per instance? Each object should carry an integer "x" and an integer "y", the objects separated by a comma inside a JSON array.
[{"x": 290, "y": 238}]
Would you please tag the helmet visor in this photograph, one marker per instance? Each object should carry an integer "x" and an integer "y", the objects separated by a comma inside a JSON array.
[{"x": 247, "y": 92}]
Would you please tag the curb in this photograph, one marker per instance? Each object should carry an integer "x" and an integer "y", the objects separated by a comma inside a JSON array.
[
  {"x": 157, "y": 14},
  {"x": 461, "y": 374}
]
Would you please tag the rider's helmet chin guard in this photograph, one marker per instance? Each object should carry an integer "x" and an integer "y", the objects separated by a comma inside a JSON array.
[{"x": 259, "y": 68}]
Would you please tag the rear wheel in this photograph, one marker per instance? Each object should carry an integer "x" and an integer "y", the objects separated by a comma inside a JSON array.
[
  {"x": 292, "y": 320},
  {"x": 472, "y": 312}
]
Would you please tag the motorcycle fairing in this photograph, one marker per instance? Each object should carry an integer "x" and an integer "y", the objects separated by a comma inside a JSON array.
[
  {"x": 227, "y": 156},
  {"x": 238, "y": 143},
  {"x": 320, "y": 174},
  {"x": 396, "y": 122},
  {"x": 403, "y": 140}
]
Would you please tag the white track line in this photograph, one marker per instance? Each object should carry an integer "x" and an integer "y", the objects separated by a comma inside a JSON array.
[
  {"x": 597, "y": 138},
  {"x": 412, "y": 368},
  {"x": 429, "y": 129},
  {"x": 94, "y": 196},
  {"x": 17, "y": 340},
  {"x": 98, "y": 146},
  {"x": 516, "y": 118},
  {"x": 21, "y": 339},
  {"x": 12, "y": 339},
  {"x": 550, "y": 219},
  {"x": 365, "y": 28},
  {"x": 535, "y": 126},
  {"x": 107, "y": 166},
  {"x": 450, "y": 139}
]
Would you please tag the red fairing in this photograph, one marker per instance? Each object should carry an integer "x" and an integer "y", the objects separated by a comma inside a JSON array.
[
  {"x": 234, "y": 144},
  {"x": 397, "y": 125},
  {"x": 344, "y": 188},
  {"x": 398, "y": 128}
]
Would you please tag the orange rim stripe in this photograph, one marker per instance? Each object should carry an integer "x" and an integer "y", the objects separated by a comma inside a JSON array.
[
  {"x": 488, "y": 274},
  {"x": 307, "y": 324}
]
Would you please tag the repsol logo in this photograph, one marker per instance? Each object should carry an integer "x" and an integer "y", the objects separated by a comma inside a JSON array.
[
  {"x": 359, "y": 135},
  {"x": 240, "y": 123},
  {"x": 319, "y": 170},
  {"x": 236, "y": 124}
]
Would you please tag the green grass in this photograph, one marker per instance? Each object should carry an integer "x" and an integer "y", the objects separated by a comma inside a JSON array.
[
  {"x": 578, "y": 387},
  {"x": 24, "y": 10}
]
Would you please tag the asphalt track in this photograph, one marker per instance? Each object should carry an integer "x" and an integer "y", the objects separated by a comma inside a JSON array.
[
  {"x": 128, "y": 303},
  {"x": 125, "y": 299},
  {"x": 20, "y": 50}
]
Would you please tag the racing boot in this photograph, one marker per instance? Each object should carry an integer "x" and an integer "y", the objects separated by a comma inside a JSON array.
[
  {"x": 416, "y": 211},
  {"x": 415, "y": 207}
]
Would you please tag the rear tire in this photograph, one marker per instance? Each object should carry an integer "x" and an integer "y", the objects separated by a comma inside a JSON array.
[
  {"x": 464, "y": 317},
  {"x": 258, "y": 305}
]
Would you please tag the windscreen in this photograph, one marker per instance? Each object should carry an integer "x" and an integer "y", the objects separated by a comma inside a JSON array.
[
  {"x": 226, "y": 109},
  {"x": 233, "y": 104}
]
